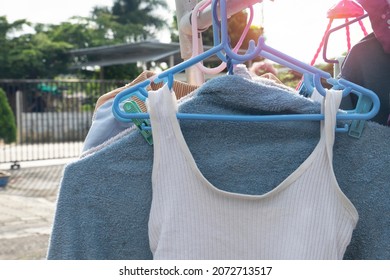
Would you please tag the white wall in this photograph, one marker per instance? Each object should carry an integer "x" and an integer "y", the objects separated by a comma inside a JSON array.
[{"x": 54, "y": 126}]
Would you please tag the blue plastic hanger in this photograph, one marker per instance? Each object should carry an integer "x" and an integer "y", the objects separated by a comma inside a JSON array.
[
  {"x": 253, "y": 51},
  {"x": 327, "y": 35},
  {"x": 265, "y": 51},
  {"x": 364, "y": 103}
]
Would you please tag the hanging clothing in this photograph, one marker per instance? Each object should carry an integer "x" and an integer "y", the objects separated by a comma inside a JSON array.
[
  {"x": 369, "y": 66},
  {"x": 105, "y": 126},
  {"x": 305, "y": 217},
  {"x": 105, "y": 197}
]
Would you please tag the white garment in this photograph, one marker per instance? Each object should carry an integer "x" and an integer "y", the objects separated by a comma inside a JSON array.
[
  {"x": 316, "y": 96},
  {"x": 306, "y": 217}
]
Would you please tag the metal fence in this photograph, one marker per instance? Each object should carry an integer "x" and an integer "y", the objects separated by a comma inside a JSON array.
[{"x": 52, "y": 117}]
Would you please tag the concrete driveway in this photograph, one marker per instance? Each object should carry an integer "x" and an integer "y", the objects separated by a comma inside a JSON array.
[{"x": 27, "y": 206}]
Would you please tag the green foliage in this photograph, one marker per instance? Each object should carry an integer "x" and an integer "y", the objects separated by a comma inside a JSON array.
[
  {"x": 131, "y": 20},
  {"x": 292, "y": 78},
  {"x": 289, "y": 78},
  {"x": 44, "y": 54},
  {"x": 30, "y": 55},
  {"x": 76, "y": 34},
  {"x": 87, "y": 108},
  {"x": 174, "y": 30},
  {"x": 7, "y": 120},
  {"x": 7, "y": 27},
  {"x": 122, "y": 72}
]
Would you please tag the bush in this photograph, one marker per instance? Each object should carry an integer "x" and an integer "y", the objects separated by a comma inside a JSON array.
[{"x": 7, "y": 120}]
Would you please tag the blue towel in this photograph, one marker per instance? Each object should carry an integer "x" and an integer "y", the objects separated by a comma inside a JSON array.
[{"x": 104, "y": 199}]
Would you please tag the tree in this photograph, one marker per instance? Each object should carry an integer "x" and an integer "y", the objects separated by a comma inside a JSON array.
[
  {"x": 130, "y": 20},
  {"x": 7, "y": 120},
  {"x": 44, "y": 54},
  {"x": 174, "y": 30},
  {"x": 122, "y": 72},
  {"x": 32, "y": 56},
  {"x": 6, "y": 30},
  {"x": 76, "y": 33}
]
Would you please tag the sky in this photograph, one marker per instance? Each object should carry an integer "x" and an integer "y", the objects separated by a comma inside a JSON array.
[{"x": 295, "y": 27}]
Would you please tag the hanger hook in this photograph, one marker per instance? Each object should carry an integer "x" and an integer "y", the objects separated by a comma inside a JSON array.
[{"x": 318, "y": 85}]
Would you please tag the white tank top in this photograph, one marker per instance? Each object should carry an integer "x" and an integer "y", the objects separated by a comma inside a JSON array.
[{"x": 307, "y": 216}]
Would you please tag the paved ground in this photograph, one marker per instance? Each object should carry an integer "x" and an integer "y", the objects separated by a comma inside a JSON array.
[{"x": 27, "y": 206}]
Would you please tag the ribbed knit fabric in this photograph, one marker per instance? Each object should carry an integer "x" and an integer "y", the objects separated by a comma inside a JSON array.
[{"x": 305, "y": 217}]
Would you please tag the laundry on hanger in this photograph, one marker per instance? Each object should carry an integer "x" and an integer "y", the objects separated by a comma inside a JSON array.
[
  {"x": 189, "y": 213},
  {"x": 121, "y": 200},
  {"x": 105, "y": 126},
  {"x": 253, "y": 51},
  {"x": 368, "y": 65}
]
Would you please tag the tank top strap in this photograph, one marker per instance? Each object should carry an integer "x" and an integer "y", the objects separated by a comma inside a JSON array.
[
  {"x": 161, "y": 105},
  {"x": 330, "y": 106}
]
